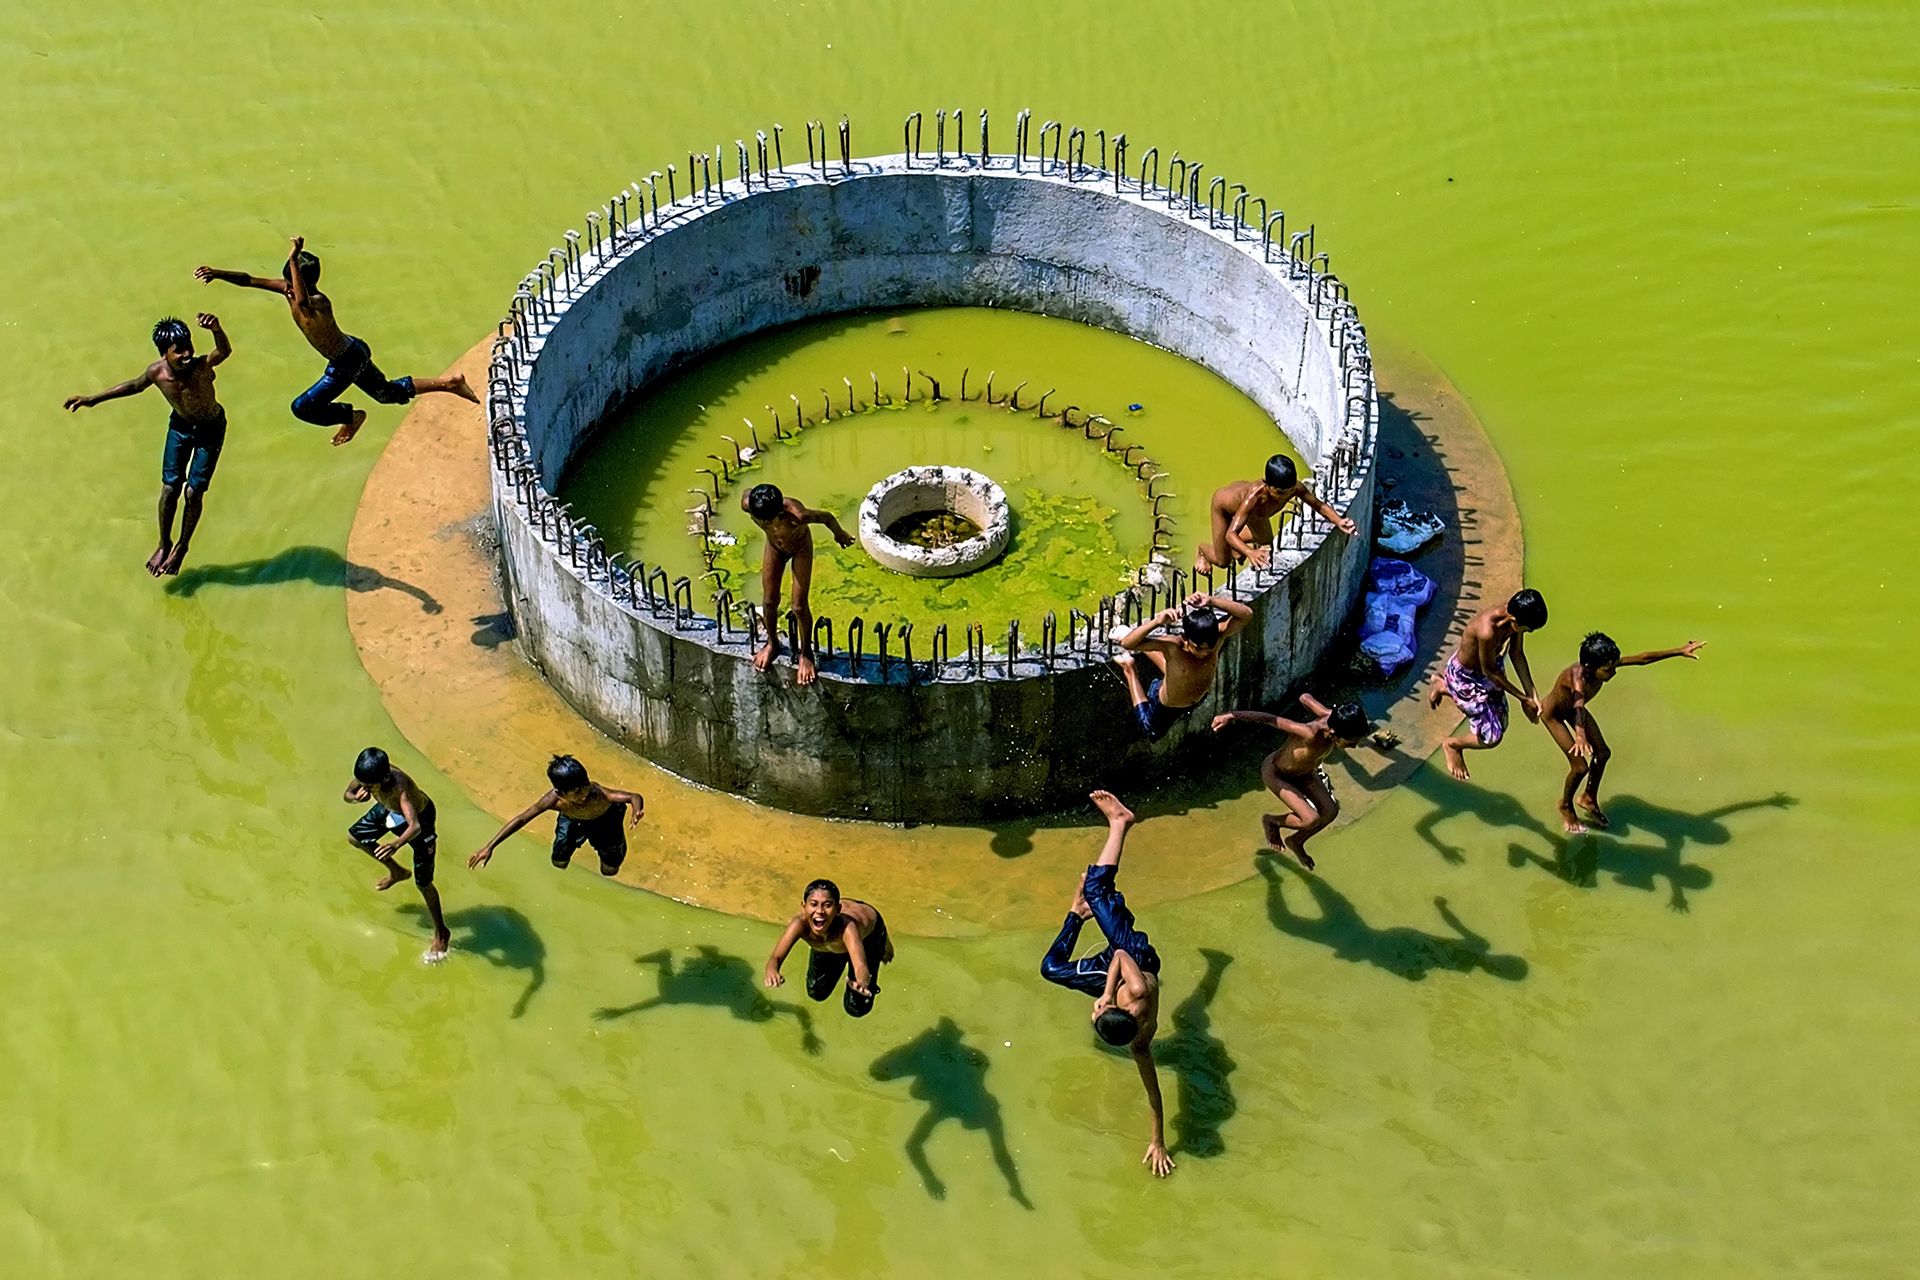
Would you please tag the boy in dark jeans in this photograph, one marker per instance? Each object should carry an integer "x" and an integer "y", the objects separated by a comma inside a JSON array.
[
  {"x": 589, "y": 813},
  {"x": 1124, "y": 979},
  {"x": 196, "y": 430},
  {"x": 349, "y": 360},
  {"x": 400, "y": 809}
]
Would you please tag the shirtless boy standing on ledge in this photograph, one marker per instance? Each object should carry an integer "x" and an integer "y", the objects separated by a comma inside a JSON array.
[{"x": 786, "y": 523}]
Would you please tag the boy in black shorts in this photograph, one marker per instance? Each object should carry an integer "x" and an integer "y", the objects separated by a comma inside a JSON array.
[
  {"x": 589, "y": 814},
  {"x": 842, "y": 934},
  {"x": 400, "y": 809}
]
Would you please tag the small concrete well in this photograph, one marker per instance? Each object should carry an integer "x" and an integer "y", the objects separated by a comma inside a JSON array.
[
  {"x": 974, "y": 719},
  {"x": 921, "y": 490}
]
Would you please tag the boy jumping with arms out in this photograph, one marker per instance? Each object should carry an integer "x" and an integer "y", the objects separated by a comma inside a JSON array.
[
  {"x": 1294, "y": 772},
  {"x": 349, "y": 360},
  {"x": 400, "y": 809},
  {"x": 1475, "y": 677},
  {"x": 1567, "y": 713},
  {"x": 1243, "y": 515},
  {"x": 1185, "y": 661},
  {"x": 841, "y": 933},
  {"x": 785, "y": 521},
  {"x": 196, "y": 429},
  {"x": 1123, "y": 979},
  {"x": 589, "y": 812}
]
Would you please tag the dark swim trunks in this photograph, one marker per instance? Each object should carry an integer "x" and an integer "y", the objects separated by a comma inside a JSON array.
[
  {"x": 381, "y": 821},
  {"x": 1155, "y": 716},
  {"x": 193, "y": 449},
  {"x": 825, "y": 967},
  {"x": 1088, "y": 975},
  {"x": 607, "y": 833},
  {"x": 353, "y": 367}
]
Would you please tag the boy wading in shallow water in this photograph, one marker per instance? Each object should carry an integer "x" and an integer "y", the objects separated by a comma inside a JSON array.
[
  {"x": 349, "y": 360},
  {"x": 1123, "y": 979},
  {"x": 789, "y": 540},
  {"x": 589, "y": 813},
  {"x": 400, "y": 809},
  {"x": 1569, "y": 719},
  {"x": 842, "y": 933},
  {"x": 1294, "y": 772},
  {"x": 196, "y": 430},
  {"x": 1243, "y": 515},
  {"x": 1185, "y": 661},
  {"x": 1475, "y": 677}
]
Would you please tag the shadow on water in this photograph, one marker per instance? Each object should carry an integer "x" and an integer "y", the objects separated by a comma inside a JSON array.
[
  {"x": 501, "y": 936},
  {"x": 1451, "y": 798},
  {"x": 321, "y": 566},
  {"x": 710, "y": 977},
  {"x": 1201, "y": 1064},
  {"x": 1401, "y": 950},
  {"x": 950, "y": 1076}
]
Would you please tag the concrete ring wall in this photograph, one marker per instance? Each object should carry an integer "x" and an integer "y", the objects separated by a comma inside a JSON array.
[
  {"x": 920, "y": 489},
  {"x": 638, "y": 297}
]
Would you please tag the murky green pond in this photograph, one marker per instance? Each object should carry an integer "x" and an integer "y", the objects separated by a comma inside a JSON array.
[{"x": 1666, "y": 250}]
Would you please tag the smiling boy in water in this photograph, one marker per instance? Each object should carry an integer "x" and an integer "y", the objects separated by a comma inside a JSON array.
[
  {"x": 589, "y": 813},
  {"x": 1475, "y": 677},
  {"x": 787, "y": 524},
  {"x": 1569, "y": 718},
  {"x": 1243, "y": 515},
  {"x": 196, "y": 429},
  {"x": 1185, "y": 660},
  {"x": 1294, "y": 772},
  {"x": 349, "y": 360},
  {"x": 841, "y": 933}
]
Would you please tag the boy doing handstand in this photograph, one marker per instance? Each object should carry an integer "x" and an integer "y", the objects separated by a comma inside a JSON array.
[
  {"x": 1243, "y": 515},
  {"x": 1294, "y": 772},
  {"x": 405, "y": 812},
  {"x": 786, "y": 522},
  {"x": 1475, "y": 677},
  {"x": 1185, "y": 661},
  {"x": 589, "y": 812},
  {"x": 1124, "y": 978},
  {"x": 842, "y": 933},
  {"x": 349, "y": 360},
  {"x": 196, "y": 429},
  {"x": 1568, "y": 715}
]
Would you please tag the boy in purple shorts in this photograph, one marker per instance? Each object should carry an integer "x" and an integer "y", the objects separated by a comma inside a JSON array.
[{"x": 1475, "y": 677}]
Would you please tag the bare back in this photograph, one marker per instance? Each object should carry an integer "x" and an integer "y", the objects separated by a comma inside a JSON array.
[
  {"x": 586, "y": 810},
  {"x": 317, "y": 325},
  {"x": 1484, "y": 643},
  {"x": 1187, "y": 678},
  {"x": 397, "y": 785}
]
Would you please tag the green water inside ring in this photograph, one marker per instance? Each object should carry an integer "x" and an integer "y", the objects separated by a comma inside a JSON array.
[
  {"x": 1082, "y": 525},
  {"x": 933, "y": 530},
  {"x": 1665, "y": 250}
]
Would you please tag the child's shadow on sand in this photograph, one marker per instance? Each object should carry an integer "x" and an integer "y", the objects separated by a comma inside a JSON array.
[
  {"x": 321, "y": 566},
  {"x": 711, "y": 977},
  {"x": 950, "y": 1076},
  {"x": 499, "y": 935},
  {"x": 1401, "y": 949}
]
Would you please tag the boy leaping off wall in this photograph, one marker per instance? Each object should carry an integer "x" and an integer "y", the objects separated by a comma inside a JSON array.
[
  {"x": 349, "y": 360},
  {"x": 1475, "y": 677},
  {"x": 1567, "y": 713},
  {"x": 589, "y": 813},
  {"x": 1294, "y": 772},
  {"x": 1184, "y": 661}
]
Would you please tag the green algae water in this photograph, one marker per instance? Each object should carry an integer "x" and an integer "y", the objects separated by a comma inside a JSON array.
[
  {"x": 1662, "y": 248},
  {"x": 1082, "y": 523}
]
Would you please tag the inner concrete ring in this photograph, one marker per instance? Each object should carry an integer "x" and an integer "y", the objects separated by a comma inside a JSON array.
[
  {"x": 1006, "y": 729},
  {"x": 920, "y": 490}
]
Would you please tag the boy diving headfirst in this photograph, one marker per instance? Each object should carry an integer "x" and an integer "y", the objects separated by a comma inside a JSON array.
[
  {"x": 196, "y": 429},
  {"x": 786, "y": 523},
  {"x": 405, "y": 812},
  {"x": 842, "y": 934},
  {"x": 1243, "y": 515},
  {"x": 349, "y": 360},
  {"x": 1123, "y": 979},
  {"x": 1568, "y": 715},
  {"x": 1185, "y": 660},
  {"x": 1475, "y": 677},
  {"x": 1294, "y": 772},
  {"x": 589, "y": 812}
]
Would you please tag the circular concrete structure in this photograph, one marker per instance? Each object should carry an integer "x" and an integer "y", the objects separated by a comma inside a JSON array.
[
  {"x": 899, "y": 729},
  {"x": 930, "y": 490}
]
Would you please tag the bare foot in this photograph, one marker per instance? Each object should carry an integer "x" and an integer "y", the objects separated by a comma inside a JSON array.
[
  {"x": 762, "y": 659},
  {"x": 175, "y": 559},
  {"x": 1571, "y": 821},
  {"x": 1273, "y": 826},
  {"x": 1593, "y": 811},
  {"x": 1435, "y": 691},
  {"x": 352, "y": 428},
  {"x": 437, "y": 949},
  {"x": 1108, "y": 803},
  {"x": 399, "y": 875},
  {"x": 158, "y": 559},
  {"x": 1456, "y": 763},
  {"x": 461, "y": 389},
  {"x": 1079, "y": 905},
  {"x": 1297, "y": 846},
  {"x": 804, "y": 672}
]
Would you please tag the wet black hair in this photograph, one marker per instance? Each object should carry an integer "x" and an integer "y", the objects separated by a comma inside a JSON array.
[
  {"x": 172, "y": 332},
  {"x": 1116, "y": 1026},
  {"x": 1349, "y": 721},
  {"x": 817, "y": 885},
  {"x": 1598, "y": 650},
  {"x": 1281, "y": 473},
  {"x": 1202, "y": 627},
  {"x": 309, "y": 269},
  {"x": 1529, "y": 609},
  {"x": 373, "y": 767},
  {"x": 566, "y": 773},
  {"x": 764, "y": 501}
]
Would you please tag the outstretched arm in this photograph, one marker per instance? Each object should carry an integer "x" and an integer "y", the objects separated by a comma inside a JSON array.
[
  {"x": 780, "y": 949},
  {"x": 221, "y": 347},
  {"x": 296, "y": 283},
  {"x": 1292, "y": 728},
  {"x": 1156, "y": 1158},
  {"x": 1138, "y": 637},
  {"x": 1691, "y": 649},
  {"x": 132, "y": 386},
  {"x": 810, "y": 516},
  {"x": 272, "y": 284},
  {"x": 521, "y": 819},
  {"x": 1325, "y": 508}
]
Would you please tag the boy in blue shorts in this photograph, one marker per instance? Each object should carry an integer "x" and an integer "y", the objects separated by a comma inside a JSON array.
[
  {"x": 1184, "y": 661},
  {"x": 589, "y": 814}
]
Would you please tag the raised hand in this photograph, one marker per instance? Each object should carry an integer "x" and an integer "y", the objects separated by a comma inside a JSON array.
[{"x": 208, "y": 320}]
